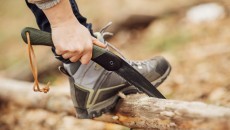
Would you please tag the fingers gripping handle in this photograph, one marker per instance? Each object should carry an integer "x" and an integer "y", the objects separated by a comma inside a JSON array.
[{"x": 38, "y": 37}]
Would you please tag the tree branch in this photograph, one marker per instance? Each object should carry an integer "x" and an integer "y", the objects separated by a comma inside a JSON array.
[{"x": 134, "y": 111}]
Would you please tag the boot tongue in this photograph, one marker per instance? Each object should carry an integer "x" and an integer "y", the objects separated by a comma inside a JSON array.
[{"x": 72, "y": 68}]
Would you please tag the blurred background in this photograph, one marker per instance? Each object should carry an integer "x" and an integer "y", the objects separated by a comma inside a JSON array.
[{"x": 193, "y": 35}]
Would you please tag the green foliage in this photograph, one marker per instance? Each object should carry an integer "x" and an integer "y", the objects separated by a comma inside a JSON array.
[{"x": 169, "y": 41}]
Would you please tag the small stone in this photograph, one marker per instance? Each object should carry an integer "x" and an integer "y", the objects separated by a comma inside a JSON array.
[
  {"x": 172, "y": 125},
  {"x": 167, "y": 113},
  {"x": 115, "y": 117},
  {"x": 205, "y": 13},
  {"x": 217, "y": 94}
]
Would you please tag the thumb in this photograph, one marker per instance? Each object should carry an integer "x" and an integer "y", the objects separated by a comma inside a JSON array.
[{"x": 98, "y": 43}]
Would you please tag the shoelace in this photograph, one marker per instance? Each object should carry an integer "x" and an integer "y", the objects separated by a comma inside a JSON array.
[
  {"x": 34, "y": 68},
  {"x": 103, "y": 33}
]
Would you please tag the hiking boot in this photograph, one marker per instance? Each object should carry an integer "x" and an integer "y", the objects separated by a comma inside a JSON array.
[{"x": 94, "y": 90}]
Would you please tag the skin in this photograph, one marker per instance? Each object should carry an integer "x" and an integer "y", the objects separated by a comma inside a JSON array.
[{"x": 71, "y": 39}]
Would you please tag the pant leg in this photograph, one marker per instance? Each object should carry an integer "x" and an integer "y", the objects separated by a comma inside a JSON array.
[{"x": 43, "y": 22}]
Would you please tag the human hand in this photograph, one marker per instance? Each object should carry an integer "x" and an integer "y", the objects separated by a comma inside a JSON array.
[{"x": 73, "y": 41}]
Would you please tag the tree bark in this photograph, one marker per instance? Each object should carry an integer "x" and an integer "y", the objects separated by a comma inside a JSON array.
[{"x": 134, "y": 111}]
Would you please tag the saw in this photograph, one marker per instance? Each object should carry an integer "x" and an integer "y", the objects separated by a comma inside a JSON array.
[{"x": 104, "y": 58}]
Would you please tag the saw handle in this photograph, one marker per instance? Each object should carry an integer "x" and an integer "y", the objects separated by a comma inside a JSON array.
[
  {"x": 38, "y": 37},
  {"x": 103, "y": 57}
]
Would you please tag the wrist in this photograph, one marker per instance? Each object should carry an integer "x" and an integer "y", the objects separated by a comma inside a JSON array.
[{"x": 61, "y": 14}]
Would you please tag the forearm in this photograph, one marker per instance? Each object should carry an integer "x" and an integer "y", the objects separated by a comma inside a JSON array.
[
  {"x": 43, "y": 22},
  {"x": 58, "y": 14},
  {"x": 61, "y": 14}
]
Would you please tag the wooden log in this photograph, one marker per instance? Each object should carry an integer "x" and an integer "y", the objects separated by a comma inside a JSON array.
[
  {"x": 134, "y": 111},
  {"x": 140, "y": 111}
]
